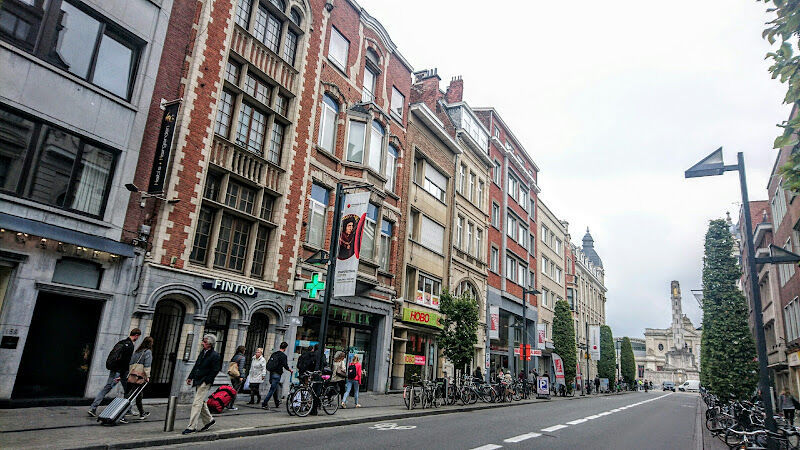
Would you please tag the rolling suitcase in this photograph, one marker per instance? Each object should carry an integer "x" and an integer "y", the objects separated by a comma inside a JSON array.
[
  {"x": 221, "y": 398},
  {"x": 118, "y": 407}
]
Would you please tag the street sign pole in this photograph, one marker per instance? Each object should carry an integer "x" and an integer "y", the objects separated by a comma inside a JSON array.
[{"x": 323, "y": 326}]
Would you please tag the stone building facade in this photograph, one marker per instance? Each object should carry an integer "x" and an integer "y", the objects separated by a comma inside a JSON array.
[
  {"x": 590, "y": 297},
  {"x": 551, "y": 254}
]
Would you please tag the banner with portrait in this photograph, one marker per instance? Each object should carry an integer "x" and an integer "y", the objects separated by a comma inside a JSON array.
[{"x": 351, "y": 227}]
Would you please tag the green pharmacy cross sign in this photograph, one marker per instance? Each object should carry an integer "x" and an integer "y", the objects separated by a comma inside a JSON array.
[{"x": 314, "y": 286}]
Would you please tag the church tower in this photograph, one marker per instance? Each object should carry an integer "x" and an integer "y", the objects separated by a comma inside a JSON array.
[{"x": 677, "y": 316}]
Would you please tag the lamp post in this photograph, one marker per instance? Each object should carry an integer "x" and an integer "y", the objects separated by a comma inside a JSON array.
[
  {"x": 525, "y": 293},
  {"x": 713, "y": 165}
]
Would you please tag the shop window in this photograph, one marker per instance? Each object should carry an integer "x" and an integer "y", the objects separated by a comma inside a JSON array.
[
  {"x": 318, "y": 204},
  {"x": 78, "y": 272},
  {"x": 217, "y": 324}
]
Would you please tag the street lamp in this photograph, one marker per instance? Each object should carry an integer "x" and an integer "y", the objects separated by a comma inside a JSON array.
[
  {"x": 713, "y": 165},
  {"x": 145, "y": 195},
  {"x": 525, "y": 292}
]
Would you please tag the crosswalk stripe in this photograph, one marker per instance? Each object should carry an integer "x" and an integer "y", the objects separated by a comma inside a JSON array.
[
  {"x": 577, "y": 421},
  {"x": 522, "y": 437},
  {"x": 553, "y": 428},
  {"x": 488, "y": 447}
]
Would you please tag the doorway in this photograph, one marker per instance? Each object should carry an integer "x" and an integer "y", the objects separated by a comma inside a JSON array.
[
  {"x": 256, "y": 337},
  {"x": 166, "y": 333},
  {"x": 62, "y": 335}
]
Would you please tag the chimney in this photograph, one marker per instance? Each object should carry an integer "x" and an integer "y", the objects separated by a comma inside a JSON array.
[
  {"x": 455, "y": 92},
  {"x": 426, "y": 87}
]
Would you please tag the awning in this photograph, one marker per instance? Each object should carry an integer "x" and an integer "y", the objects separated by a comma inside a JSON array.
[{"x": 45, "y": 230}]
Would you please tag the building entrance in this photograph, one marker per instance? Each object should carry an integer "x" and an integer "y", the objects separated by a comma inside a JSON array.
[{"x": 166, "y": 332}]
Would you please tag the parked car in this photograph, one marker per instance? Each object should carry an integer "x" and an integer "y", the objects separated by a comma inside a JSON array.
[
  {"x": 668, "y": 386},
  {"x": 690, "y": 386}
]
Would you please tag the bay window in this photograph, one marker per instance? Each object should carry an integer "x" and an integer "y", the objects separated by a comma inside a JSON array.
[{"x": 355, "y": 141}]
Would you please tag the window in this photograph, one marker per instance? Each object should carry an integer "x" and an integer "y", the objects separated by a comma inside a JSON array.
[
  {"x": 472, "y": 182},
  {"x": 368, "y": 91},
  {"x": 471, "y": 126},
  {"x": 545, "y": 297},
  {"x": 778, "y": 204},
  {"x": 78, "y": 272},
  {"x": 558, "y": 274},
  {"x": 201, "y": 235},
  {"x": 558, "y": 246},
  {"x": 276, "y": 143},
  {"x": 479, "y": 243},
  {"x": 295, "y": 16},
  {"x": 786, "y": 271},
  {"x": 497, "y": 173},
  {"x": 212, "y": 187},
  {"x": 531, "y": 280},
  {"x": 267, "y": 28},
  {"x": 368, "y": 233},
  {"x": 267, "y": 206},
  {"x": 391, "y": 167},
  {"x": 545, "y": 266},
  {"x": 318, "y": 204},
  {"x": 479, "y": 194},
  {"x": 290, "y": 47},
  {"x": 493, "y": 259},
  {"x": 338, "y": 48},
  {"x": 243, "y": 13},
  {"x": 435, "y": 182},
  {"x": 240, "y": 197},
  {"x": 511, "y": 268},
  {"x": 64, "y": 170},
  {"x": 522, "y": 234},
  {"x": 462, "y": 178},
  {"x": 523, "y": 270},
  {"x": 398, "y": 102},
  {"x": 523, "y": 196},
  {"x": 252, "y": 127},
  {"x": 470, "y": 233},
  {"x": 495, "y": 215},
  {"x": 355, "y": 141},
  {"x": 386, "y": 244},
  {"x": 533, "y": 207},
  {"x": 791, "y": 316},
  {"x": 512, "y": 186},
  {"x": 327, "y": 127},
  {"x": 257, "y": 88},
  {"x": 282, "y": 105},
  {"x": 545, "y": 234},
  {"x": 511, "y": 226},
  {"x": 224, "y": 111},
  {"x": 430, "y": 288},
  {"x": 460, "y": 233},
  {"x": 432, "y": 235},
  {"x": 465, "y": 288},
  {"x": 232, "y": 72},
  {"x": 260, "y": 252},
  {"x": 376, "y": 146},
  {"x": 234, "y": 233},
  {"x": 532, "y": 244}
]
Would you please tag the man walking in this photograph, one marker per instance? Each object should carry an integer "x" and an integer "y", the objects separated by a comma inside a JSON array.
[
  {"x": 277, "y": 362},
  {"x": 202, "y": 376},
  {"x": 117, "y": 363},
  {"x": 597, "y": 384}
]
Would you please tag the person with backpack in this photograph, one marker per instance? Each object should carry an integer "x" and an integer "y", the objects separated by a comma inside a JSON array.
[
  {"x": 307, "y": 362},
  {"x": 257, "y": 375},
  {"x": 139, "y": 373},
  {"x": 275, "y": 365},
  {"x": 117, "y": 365},
  {"x": 236, "y": 372},
  {"x": 353, "y": 381},
  {"x": 788, "y": 405},
  {"x": 205, "y": 369}
]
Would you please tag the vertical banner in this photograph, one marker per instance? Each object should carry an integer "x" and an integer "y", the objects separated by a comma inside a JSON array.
[
  {"x": 163, "y": 149},
  {"x": 494, "y": 322},
  {"x": 558, "y": 368},
  {"x": 351, "y": 227},
  {"x": 541, "y": 336},
  {"x": 578, "y": 375},
  {"x": 594, "y": 342}
]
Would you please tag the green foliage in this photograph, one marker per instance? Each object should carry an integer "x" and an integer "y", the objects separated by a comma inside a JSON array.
[
  {"x": 460, "y": 333},
  {"x": 607, "y": 366},
  {"x": 564, "y": 340},
  {"x": 627, "y": 362},
  {"x": 785, "y": 28},
  {"x": 727, "y": 352}
]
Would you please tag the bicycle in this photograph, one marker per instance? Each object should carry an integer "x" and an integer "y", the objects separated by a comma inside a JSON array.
[
  {"x": 412, "y": 393},
  {"x": 303, "y": 399}
]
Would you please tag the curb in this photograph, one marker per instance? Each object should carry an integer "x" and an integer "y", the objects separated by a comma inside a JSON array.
[{"x": 260, "y": 431}]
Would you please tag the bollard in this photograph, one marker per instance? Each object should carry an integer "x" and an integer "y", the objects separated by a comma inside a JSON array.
[{"x": 169, "y": 420}]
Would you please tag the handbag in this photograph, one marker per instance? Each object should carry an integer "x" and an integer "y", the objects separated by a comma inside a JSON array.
[
  {"x": 233, "y": 369},
  {"x": 136, "y": 372}
]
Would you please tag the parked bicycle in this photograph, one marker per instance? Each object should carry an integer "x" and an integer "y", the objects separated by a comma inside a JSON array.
[{"x": 320, "y": 389}]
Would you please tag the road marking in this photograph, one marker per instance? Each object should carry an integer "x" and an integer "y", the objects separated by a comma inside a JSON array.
[
  {"x": 522, "y": 437},
  {"x": 554, "y": 428},
  {"x": 488, "y": 447},
  {"x": 392, "y": 426},
  {"x": 577, "y": 421},
  {"x": 605, "y": 413},
  {"x": 592, "y": 417},
  {"x": 616, "y": 410}
]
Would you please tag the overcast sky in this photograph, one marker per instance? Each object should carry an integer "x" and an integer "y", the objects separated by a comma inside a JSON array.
[{"x": 614, "y": 100}]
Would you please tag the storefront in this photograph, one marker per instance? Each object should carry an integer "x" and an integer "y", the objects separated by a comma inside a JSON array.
[
  {"x": 416, "y": 353},
  {"x": 506, "y": 327}
]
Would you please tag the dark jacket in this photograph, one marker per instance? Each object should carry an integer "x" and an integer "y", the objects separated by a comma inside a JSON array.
[
  {"x": 206, "y": 368},
  {"x": 307, "y": 362},
  {"x": 124, "y": 361},
  {"x": 283, "y": 362},
  {"x": 240, "y": 361}
]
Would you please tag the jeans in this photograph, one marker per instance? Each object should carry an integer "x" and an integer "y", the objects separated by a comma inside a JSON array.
[
  {"x": 129, "y": 388},
  {"x": 200, "y": 412},
  {"x": 237, "y": 384},
  {"x": 110, "y": 383},
  {"x": 274, "y": 385},
  {"x": 351, "y": 384}
]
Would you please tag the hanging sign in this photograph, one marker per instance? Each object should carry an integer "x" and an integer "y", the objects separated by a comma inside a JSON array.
[
  {"x": 163, "y": 149},
  {"x": 494, "y": 322},
  {"x": 594, "y": 342},
  {"x": 351, "y": 227},
  {"x": 541, "y": 336},
  {"x": 558, "y": 365}
]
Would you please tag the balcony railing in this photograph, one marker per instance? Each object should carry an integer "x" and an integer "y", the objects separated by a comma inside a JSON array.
[
  {"x": 263, "y": 58},
  {"x": 245, "y": 164}
]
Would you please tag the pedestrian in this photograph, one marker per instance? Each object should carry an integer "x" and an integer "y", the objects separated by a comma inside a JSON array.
[
  {"x": 353, "y": 381},
  {"x": 339, "y": 372},
  {"x": 257, "y": 375},
  {"x": 236, "y": 372},
  {"x": 205, "y": 369},
  {"x": 277, "y": 362},
  {"x": 597, "y": 384},
  {"x": 788, "y": 404},
  {"x": 478, "y": 374},
  {"x": 139, "y": 373},
  {"x": 307, "y": 362},
  {"x": 117, "y": 364}
]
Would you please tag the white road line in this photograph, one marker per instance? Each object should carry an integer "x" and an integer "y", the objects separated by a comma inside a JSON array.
[
  {"x": 487, "y": 447},
  {"x": 554, "y": 428},
  {"x": 592, "y": 417},
  {"x": 576, "y": 421},
  {"x": 522, "y": 437},
  {"x": 605, "y": 413},
  {"x": 616, "y": 410}
]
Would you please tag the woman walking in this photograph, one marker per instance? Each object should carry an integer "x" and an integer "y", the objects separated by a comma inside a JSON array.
[
  {"x": 236, "y": 372},
  {"x": 258, "y": 373},
  {"x": 353, "y": 381},
  {"x": 788, "y": 404},
  {"x": 339, "y": 372},
  {"x": 139, "y": 373}
]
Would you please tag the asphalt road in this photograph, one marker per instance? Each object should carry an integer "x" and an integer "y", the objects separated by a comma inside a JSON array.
[{"x": 654, "y": 420}]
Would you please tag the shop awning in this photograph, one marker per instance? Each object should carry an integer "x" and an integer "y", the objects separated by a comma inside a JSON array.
[{"x": 66, "y": 235}]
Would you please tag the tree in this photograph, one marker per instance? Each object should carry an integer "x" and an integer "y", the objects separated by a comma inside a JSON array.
[
  {"x": 607, "y": 366},
  {"x": 627, "y": 362},
  {"x": 564, "y": 340},
  {"x": 460, "y": 328},
  {"x": 727, "y": 351},
  {"x": 786, "y": 29}
]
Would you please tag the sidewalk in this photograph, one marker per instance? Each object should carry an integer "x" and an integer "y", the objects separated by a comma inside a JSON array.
[{"x": 71, "y": 427}]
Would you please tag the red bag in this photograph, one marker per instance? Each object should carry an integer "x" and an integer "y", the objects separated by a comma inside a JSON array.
[{"x": 221, "y": 398}]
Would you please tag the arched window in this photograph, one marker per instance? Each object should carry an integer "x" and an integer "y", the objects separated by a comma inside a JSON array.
[
  {"x": 217, "y": 324},
  {"x": 327, "y": 124},
  {"x": 376, "y": 146},
  {"x": 466, "y": 288},
  {"x": 296, "y": 17},
  {"x": 279, "y": 4}
]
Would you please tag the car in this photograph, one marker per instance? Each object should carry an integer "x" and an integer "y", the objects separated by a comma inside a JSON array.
[
  {"x": 690, "y": 386},
  {"x": 668, "y": 386}
]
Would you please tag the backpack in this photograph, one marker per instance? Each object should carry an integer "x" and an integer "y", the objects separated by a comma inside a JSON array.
[
  {"x": 273, "y": 365},
  {"x": 352, "y": 373},
  {"x": 114, "y": 358}
]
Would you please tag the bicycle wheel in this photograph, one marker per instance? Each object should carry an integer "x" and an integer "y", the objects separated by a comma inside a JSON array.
[
  {"x": 487, "y": 394},
  {"x": 414, "y": 398},
  {"x": 473, "y": 396},
  {"x": 407, "y": 396},
  {"x": 289, "y": 401},
  {"x": 516, "y": 394},
  {"x": 330, "y": 400},
  {"x": 303, "y": 402}
]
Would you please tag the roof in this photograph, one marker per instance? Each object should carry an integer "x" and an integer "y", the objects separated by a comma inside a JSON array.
[{"x": 589, "y": 251}]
